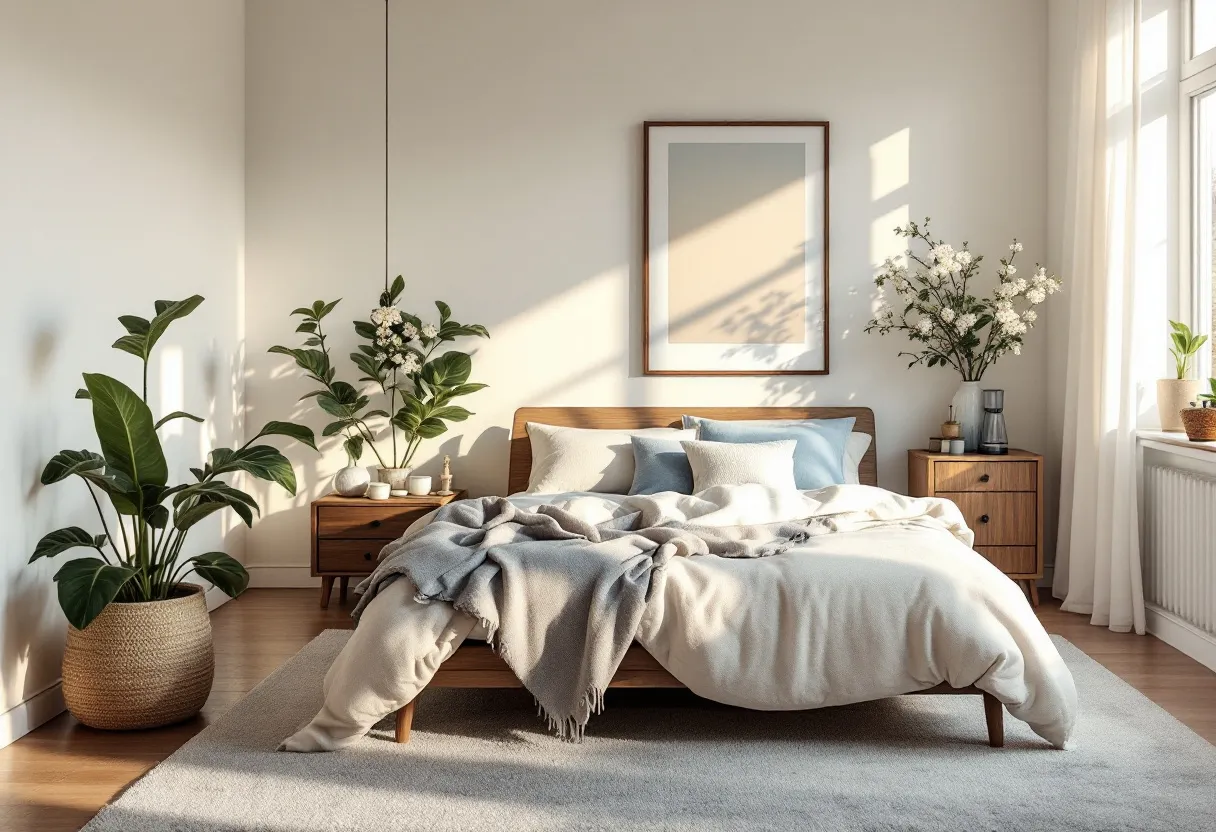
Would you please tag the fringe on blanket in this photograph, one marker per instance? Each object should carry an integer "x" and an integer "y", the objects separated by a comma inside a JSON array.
[{"x": 569, "y": 728}]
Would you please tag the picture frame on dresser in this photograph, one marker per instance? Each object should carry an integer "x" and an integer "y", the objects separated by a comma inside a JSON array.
[
  {"x": 1001, "y": 498},
  {"x": 735, "y": 248},
  {"x": 349, "y": 532}
]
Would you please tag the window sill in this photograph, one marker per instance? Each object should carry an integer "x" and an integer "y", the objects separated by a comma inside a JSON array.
[{"x": 1167, "y": 440}]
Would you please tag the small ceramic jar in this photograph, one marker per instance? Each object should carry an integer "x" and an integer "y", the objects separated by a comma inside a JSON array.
[
  {"x": 419, "y": 485},
  {"x": 377, "y": 491}
]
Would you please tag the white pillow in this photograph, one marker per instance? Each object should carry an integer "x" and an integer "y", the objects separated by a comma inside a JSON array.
[
  {"x": 585, "y": 459},
  {"x": 854, "y": 450},
  {"x": 738, "y": 463}
]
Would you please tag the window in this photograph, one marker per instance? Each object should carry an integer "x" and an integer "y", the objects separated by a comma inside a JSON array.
[{"x": 1197, "y": 301}]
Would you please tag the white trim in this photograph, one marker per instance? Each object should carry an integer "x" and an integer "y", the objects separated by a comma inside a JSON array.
[
  {"x": 1171, "y": 442},
  {"x": 1181, "y": 635},
  {"x": 215, "y": 597},
  {"x": 281, "y": 576},
  {"x": 25, "y": 716}
]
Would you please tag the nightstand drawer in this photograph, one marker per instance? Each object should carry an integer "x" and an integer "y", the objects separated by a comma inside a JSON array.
[
  {"x": 985, "y": 476},
  {"x": 367, "y": 521},
  {"x": 999, "y": 519},
  {"x": 1012, "y": 560},
  {"x": 349, "y": 557}
]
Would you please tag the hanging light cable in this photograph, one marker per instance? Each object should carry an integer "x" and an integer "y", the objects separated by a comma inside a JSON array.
[{"x": 386, "y": 145}]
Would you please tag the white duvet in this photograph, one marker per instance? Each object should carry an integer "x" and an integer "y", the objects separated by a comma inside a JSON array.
[{"x": 887, "y": 598}]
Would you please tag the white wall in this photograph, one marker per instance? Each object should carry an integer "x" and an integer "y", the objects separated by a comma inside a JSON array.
[
  {"x": 516, "y": 189},
  {"x": 121, "y": 182}
]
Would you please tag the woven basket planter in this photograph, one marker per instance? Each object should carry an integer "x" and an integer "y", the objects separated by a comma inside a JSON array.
[
  {"x": 141, "y": 665},
  {"x": 1200, "y": 423}
]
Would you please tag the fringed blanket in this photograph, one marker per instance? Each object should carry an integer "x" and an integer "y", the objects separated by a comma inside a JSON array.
[{"x": 560, "y": 598}]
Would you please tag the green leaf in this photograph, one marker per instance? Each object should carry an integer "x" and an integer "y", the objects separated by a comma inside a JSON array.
[
  {"x": 197, "y": 501},
  {"x": 83, "y": 394},
  {"x": 222, "y": 571},
  {"x": 300, "y": 433},
  {"x": 449, "y": 369},
  {"x": 144, "y": 334},
  {"x": 136, "y": 345},
  {"x": 445, "y": 396},
  {"x": 365, "y": 329},
  {"x": 396, "y": 289},
  {"x": 262, "y": 461},
  {"x": 65, "y": 463},
  {"x": 445, "y": 311},
  {"x": 134, "y": 325},
  {"x": 156, "y": 516},
  {"x": 327, "y": 308},
  {"x": 177, "y": 414},
  {"x": 452, "y": 413},
  {"x": 353, "y": 447},
  {"x": 86, "y": 586},
  {"x": 124, "y": 426},
  {"x": 307, "y": 326},
  {"x": 430, "y": 428},
  {"x": 335, "y": 427},
  {"x": 302, "y": 310},
  {"x": 63, "y": 539}
]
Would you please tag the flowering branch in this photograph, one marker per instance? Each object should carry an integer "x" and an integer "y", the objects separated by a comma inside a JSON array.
[{"x": 954, "y": 327}]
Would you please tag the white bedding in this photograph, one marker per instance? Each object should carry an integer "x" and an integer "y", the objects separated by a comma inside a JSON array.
[{"x": 888, "y": 599}]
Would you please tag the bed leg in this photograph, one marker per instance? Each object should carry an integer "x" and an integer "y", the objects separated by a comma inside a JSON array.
[
  {"x": 994, "y": 715},
  {"x": 405, "y": 719}
]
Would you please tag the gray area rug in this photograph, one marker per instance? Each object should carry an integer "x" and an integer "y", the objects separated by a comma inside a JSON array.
[{"x": 481, "y": 760}]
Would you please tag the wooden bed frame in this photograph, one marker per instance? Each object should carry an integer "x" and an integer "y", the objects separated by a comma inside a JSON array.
[{"x": 477, "y": 666}]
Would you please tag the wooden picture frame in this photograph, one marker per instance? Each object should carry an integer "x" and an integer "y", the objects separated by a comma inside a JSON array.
[{"x": 735, "y": 248}]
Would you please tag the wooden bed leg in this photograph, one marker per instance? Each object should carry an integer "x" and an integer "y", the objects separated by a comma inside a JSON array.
[
  {"x": 994, "y": 715},
  {"x": 344, "y": 582},
  {"x": 327, "y": 588},
  {"x": 1032, "y": 587},
  {"x": 405, "y": 719}
]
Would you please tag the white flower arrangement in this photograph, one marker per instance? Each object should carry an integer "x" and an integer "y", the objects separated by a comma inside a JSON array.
[{"x": 955, "y": 327}]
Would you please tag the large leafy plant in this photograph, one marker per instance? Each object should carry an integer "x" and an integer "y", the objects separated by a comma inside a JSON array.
[
  {"x": 139, "y": 559},
  {"x": 402, "y": 358}
]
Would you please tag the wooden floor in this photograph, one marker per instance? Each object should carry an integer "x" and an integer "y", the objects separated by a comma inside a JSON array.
[{"x": 57, "y": 777}]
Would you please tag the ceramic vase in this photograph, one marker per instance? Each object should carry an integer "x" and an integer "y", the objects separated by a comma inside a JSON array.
[
  {"x": 968, "y": 405},
  {"x": 1173, "y": 396},
  {"x": 397, "y": 478},
  {"x": 351, "y": 481}
]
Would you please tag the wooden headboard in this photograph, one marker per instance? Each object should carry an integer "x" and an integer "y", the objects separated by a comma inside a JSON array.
[{"x": 624, "y": 418}]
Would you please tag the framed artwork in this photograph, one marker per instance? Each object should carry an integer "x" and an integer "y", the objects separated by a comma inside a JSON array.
[{"x": 735, "y": 272}]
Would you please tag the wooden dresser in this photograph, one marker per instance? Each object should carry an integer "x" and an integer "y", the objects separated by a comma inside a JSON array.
[
  {"x": 1001, "y": 498},
  {"x": 349, "y": 532}
]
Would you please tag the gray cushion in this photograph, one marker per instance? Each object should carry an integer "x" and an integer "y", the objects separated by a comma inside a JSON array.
[{"x": 659, "y": 465}]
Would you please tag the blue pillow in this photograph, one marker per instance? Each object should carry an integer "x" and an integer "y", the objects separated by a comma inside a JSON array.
[
  {"x": 818, "y": 457},
  {"x": 659, "y": 465}
]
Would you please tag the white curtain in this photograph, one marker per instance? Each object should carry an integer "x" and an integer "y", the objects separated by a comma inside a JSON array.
[{"x": 1117, "y": 260}]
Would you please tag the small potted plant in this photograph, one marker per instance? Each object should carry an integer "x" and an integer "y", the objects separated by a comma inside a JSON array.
[
  {"x": 1175, "y": 394},
  {"x": 139, "y": 651},
  {"x": 1200, "y": 419}
]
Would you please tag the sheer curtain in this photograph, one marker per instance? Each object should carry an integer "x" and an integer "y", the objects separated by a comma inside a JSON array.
[{"x": 1117, "y": 253}]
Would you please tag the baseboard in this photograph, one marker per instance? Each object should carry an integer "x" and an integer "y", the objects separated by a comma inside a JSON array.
[
  {"x": 215, "y": 597},
  {"x": 1181, "y": 635},
  {"x": 19, "y": 720},
  {"x": 281, "y": 577}
]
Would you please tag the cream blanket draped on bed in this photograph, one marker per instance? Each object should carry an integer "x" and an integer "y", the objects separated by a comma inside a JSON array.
[{"x": 889, "y": 599}]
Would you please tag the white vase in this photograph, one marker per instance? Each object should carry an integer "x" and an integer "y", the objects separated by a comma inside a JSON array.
[
  {"x": 968, "y": 405},
  {"x": 1173, "y": 396},
  {"x": 351, "y": 481},
  {"x": 397, "y": 478}
]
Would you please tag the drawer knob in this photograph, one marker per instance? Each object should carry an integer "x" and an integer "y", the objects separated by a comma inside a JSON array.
[
  {"x": 375, "y": 524},
  {"x": 983, "y": 518},
  {"x": 367, "y": 555},
  {"x": 985, "y": 478}
]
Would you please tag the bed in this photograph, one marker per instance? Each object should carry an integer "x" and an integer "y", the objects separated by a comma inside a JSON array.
[{"x": 1033, "y": 683}]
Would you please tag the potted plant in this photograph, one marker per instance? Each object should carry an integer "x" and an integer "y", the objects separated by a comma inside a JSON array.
[
  {"x": 953, "y": 326},
  {"x": 139, "y": 648},
  {"x": 402, "y": 358},
  {"x": 1199, "y": 419},
  {"x": 1175, "y": 394}
]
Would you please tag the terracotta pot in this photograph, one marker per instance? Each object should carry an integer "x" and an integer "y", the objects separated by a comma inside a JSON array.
[
  {"x": 1200, "y": 423},
  {"x": 1173, "y": 396},
  {"x": 141, "y": 665}
]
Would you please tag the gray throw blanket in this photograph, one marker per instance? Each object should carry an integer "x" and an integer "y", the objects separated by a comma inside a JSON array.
[{"x": 561, "y": 599}]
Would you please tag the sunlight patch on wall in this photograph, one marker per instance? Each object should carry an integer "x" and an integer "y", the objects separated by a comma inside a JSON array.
[
  {"x": 884, "y": 242},
  {"x": 890, "y": 161},
  {"x": 172, "y": 388}
]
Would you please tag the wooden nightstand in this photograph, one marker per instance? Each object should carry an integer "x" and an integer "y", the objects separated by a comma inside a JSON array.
[
  {"x": 349, "y": 532},
  {"x": 1001, "y": 498}
]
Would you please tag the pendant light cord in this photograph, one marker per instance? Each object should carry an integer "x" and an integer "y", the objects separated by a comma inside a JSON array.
[{"x": 386, "y": 69}]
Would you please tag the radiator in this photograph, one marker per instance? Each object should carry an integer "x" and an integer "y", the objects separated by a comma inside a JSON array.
[{"x": 1179, "y": 545}]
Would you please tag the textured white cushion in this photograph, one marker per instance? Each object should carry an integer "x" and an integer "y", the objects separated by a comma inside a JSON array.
[
  {"x": 738, "y": 463},
  {"x": 854, "y": 450},
  {"x": 584, "y": 459}
]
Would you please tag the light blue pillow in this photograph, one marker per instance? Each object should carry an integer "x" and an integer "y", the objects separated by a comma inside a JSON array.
[
  {"x": 818, "y": 457},
  {"x": 659, "y": 465}
]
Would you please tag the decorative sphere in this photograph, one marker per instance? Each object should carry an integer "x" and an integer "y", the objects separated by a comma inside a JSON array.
[{"x": 351, "y": 481}]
